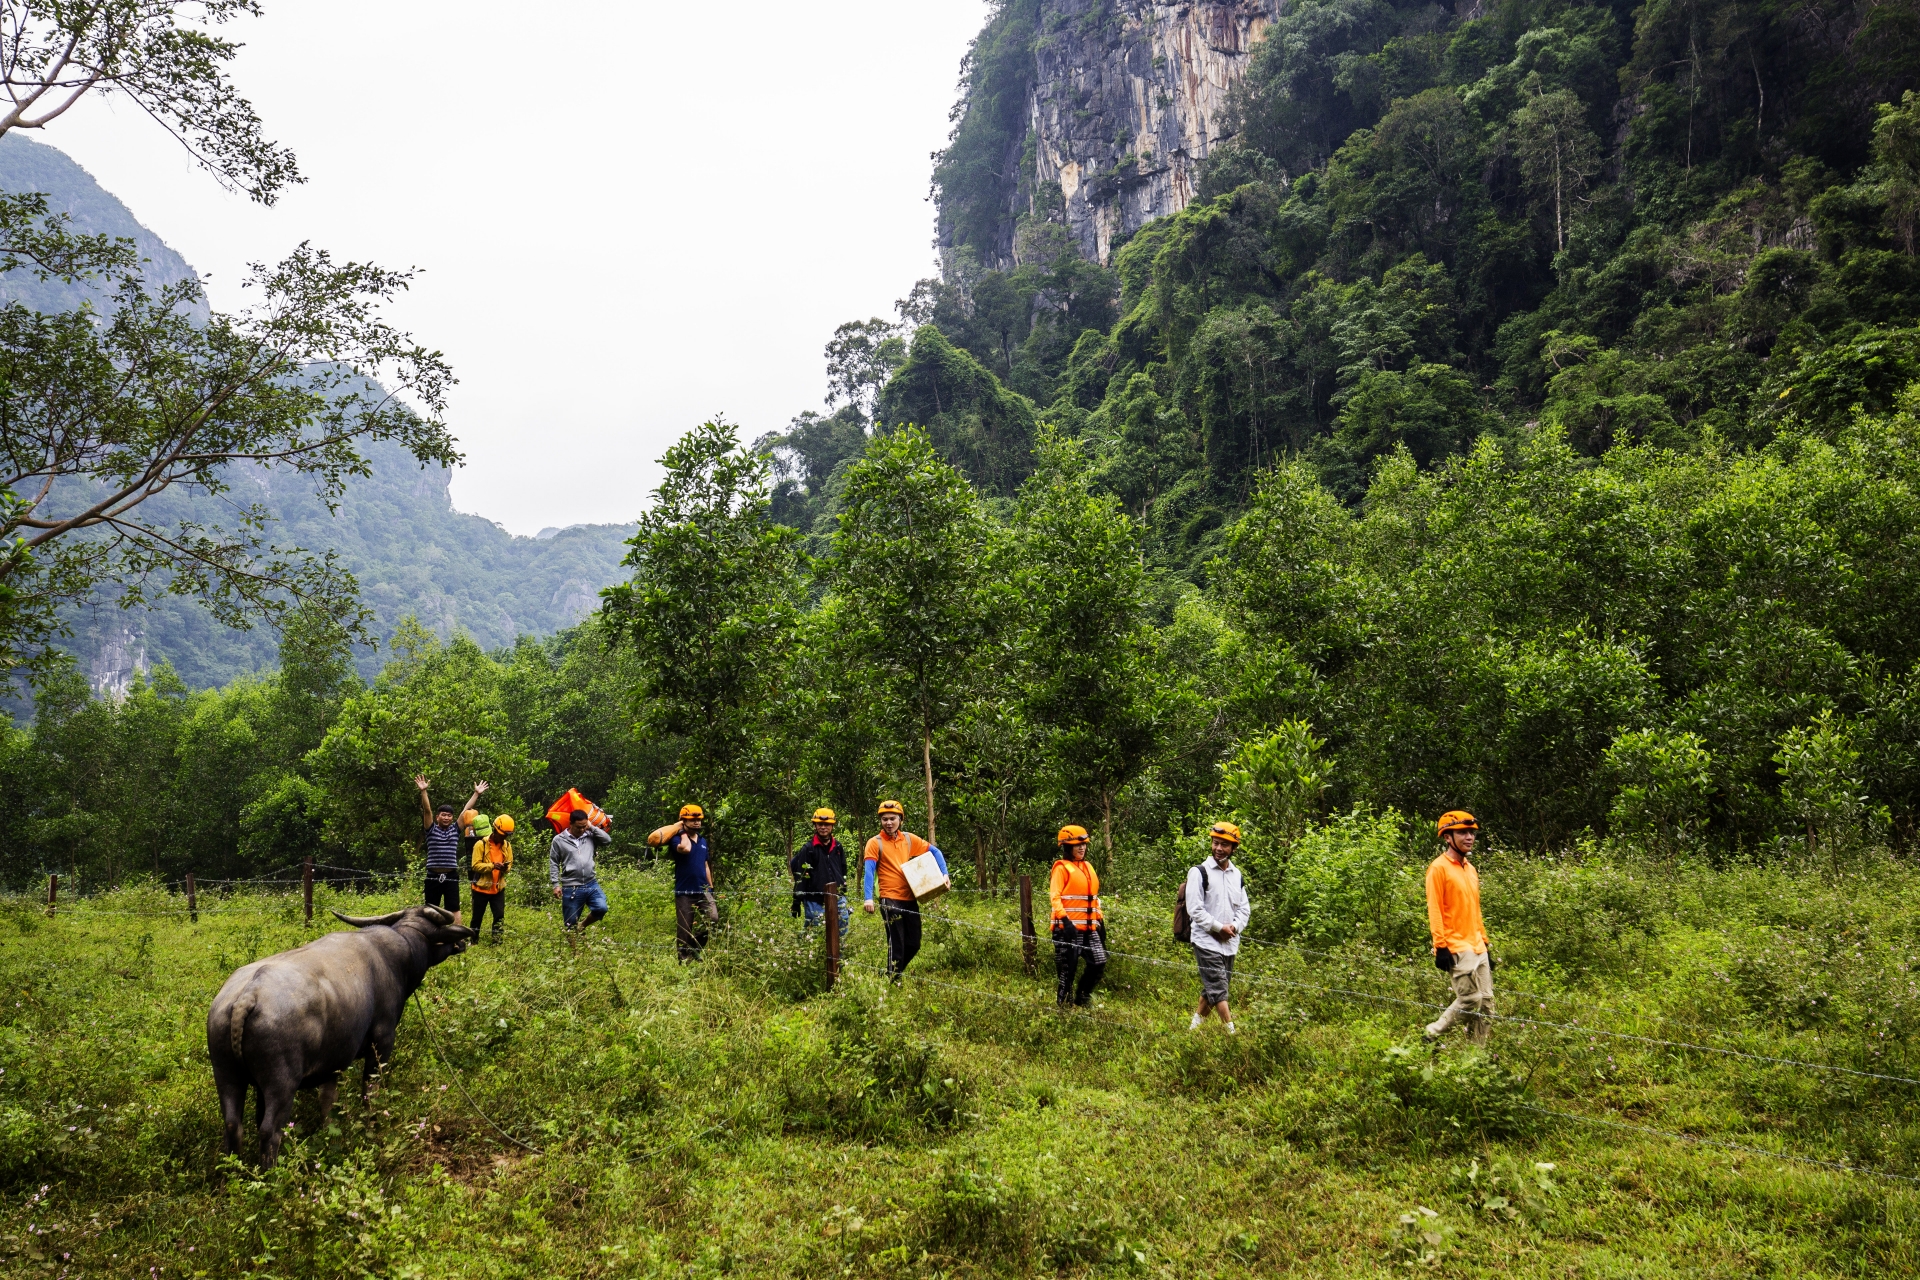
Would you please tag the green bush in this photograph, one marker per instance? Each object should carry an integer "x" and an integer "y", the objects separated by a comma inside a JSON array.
[
  {"x": 977, "y": 1211},
  {"x": 1580, "y": 919},
  {"x": 1341, "y": 876},
  {"x": 1456, "y": 1096}
]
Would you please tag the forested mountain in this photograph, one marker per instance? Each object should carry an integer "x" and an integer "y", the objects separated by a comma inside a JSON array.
[
  {"x": 1629, "y": 223},
  {"x": 1521, "y": 418},
  {"x": 396, "y": 530}
]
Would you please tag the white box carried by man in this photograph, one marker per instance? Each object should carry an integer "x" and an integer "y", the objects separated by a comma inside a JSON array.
[{"x": 925, "y": 878}]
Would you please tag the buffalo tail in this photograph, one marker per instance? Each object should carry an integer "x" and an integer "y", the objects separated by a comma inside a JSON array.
[{"x": 237, "y": 1018}]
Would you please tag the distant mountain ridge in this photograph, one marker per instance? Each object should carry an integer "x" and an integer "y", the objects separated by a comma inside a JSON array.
[{"x": 395, "y": 530}]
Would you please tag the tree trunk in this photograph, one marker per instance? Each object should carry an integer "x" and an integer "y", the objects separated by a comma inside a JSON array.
[
  {"x": 926, "y": 759},
  {"x": 1106, "y": 830},
  {"x": 979, "y": 862}
]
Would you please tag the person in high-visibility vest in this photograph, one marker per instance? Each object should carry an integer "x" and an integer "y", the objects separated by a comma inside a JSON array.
[
  {"x": 1460, "y": 947},
  {"x": 1079, "y": 929},
  {"x": 886, "y": 856},
  {"x": 492, "y": 860}
]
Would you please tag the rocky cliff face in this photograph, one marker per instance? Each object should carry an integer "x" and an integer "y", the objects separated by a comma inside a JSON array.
[{"x": 1128, "y": 100}]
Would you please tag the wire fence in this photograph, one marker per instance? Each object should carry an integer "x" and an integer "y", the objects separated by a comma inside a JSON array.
[{"x": 775, "y": 896}]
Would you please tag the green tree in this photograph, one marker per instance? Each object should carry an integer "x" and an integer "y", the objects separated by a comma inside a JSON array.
[
  {"x": 1821, "y": 786},
  {"x": 101, "y": 413},
  {"x": 711, "y": 610},
  {"x": 435, "y": 710},
  {"x": 1558, "y": 153},
  {"x": 1075, "y": 560},
  {"x": 861, "y": 356},
  {"x": 907, "y": 563},
  {"x": 1665, "y": 778}
]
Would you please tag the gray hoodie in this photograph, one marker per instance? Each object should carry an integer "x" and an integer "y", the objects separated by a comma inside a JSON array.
[{"x": 570, "y": 858}]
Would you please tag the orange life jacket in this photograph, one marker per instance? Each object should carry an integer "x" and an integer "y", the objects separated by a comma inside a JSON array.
[{"x": 1074, "y": 890}]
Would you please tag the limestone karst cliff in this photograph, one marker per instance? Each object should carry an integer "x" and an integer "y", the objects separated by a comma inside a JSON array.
[
  {"x": 1091, "y": 113},
  {"x": 1123, "y": 113}
]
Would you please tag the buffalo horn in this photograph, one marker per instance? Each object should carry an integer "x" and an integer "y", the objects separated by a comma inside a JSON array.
[{"x": 362, "y": 922}]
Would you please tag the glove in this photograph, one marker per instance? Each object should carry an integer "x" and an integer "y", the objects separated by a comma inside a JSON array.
[{"x": 1443, "y": 959}]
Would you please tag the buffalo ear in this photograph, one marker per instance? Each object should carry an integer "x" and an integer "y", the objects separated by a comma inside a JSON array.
[
  {"x": 364, "y": 922},
  {"x": 441, "y": 916}
]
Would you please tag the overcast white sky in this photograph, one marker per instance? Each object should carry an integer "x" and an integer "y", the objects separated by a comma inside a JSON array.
[{"x": 628, "y": 215}]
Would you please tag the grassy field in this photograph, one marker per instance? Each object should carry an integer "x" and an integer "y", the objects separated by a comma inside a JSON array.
[{"x": 607, "y": 1111}]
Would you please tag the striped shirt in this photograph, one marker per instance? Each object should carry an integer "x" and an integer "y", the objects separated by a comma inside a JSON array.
[{"x": 443, "y": 847}]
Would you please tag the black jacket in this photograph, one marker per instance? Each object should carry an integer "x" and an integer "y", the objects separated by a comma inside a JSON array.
[{"x": 815, "y": 866}]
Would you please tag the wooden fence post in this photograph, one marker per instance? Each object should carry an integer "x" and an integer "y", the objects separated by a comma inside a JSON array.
[
  {"x": 193, "y": 901},
  {"x": 1026, "y": 922},
  {"x": 833, "y": 934},
  {"x": 306, "y": 887},
  {"x": 53, "y": 893}
]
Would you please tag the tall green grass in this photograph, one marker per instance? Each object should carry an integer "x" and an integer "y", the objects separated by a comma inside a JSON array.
[{"x": 603, "y": 1110}]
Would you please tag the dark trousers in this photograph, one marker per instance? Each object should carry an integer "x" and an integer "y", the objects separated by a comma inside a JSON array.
[
  {"x": 902, "y": 919},
  {"x": 1070, "y": 947},
  {"x": 692, "y": 913},
  {"x": 481, "y": 901},
  {"x": 443, "y": 890}
]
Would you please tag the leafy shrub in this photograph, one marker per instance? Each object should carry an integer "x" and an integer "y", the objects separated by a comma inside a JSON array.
[
  {"x": 1341, "y": 875},
  {"x": 1456, "y": 1094},
  {"x": 1505, "y": 1189},
  {"x": 1665, "y": 778},
  {"x": 790, "y": 962},
  {"x": 320, "y": 1218},
  {"x": 1821, "y": 786},
  {"x": 870, "y": 1075},
  {"x": 975, "y": 1211},
  {"x": 1580, "y": 918},
  {"x": 1276, "y": 782},
  {"x": 21, "y": 1141}
]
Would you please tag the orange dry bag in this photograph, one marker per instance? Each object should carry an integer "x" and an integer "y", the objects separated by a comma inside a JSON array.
[{"x": 561, "y": 813}]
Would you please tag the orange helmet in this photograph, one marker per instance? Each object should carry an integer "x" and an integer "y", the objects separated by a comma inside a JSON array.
[
  {"x": 467, "y": 817},
  {"x": 691, "y": 811},
  {"x": 892, "y": 806},
  {"x": 503, "y": 825},
  {"x": 1457, "y": 820},
  {"x": 1229, "y": 831},
  {"x": 1073, "y": 834},
  {"x": 824, "y": 815}
]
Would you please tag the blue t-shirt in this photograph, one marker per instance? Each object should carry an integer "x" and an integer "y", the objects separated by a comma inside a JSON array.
[
  {"x": 443, "y": 847},
  {"x": 690, "y": 868}
]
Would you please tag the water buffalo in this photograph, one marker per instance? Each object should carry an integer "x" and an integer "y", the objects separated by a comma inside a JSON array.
[{"x": 298, "y": 1019}]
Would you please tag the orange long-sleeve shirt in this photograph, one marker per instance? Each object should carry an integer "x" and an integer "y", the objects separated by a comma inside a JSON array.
[
  {"x": 1453, "y": 905},
  {"x": 891, "y": 855},
  {"x": 1074, "y": 891}
]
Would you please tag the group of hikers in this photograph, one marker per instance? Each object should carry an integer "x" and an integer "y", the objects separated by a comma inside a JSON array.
[{"x": 1211, "y": 912}]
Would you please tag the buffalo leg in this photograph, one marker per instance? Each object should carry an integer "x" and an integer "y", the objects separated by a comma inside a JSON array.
[
  {"x": 369, "y": 1075},
  {"x": 276, "y": 1110},
  {"x": 329, "y": 1090},
  {"x": 233, "y": 1108}
]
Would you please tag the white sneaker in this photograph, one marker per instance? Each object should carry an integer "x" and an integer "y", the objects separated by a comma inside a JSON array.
[
  {"x": 1195, "y": 1024},
  {"x": 1231, "y": 1031}
]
